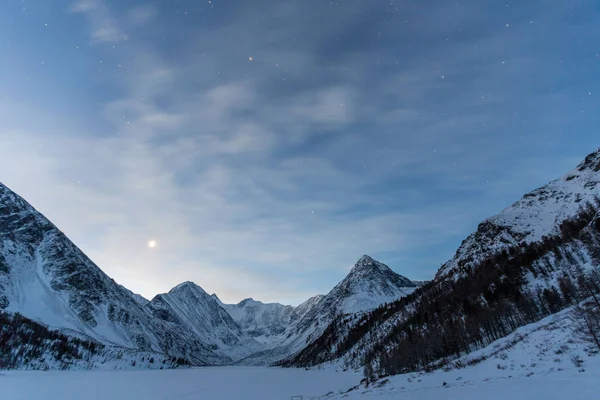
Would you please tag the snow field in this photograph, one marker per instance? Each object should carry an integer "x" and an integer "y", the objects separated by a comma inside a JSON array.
[
  {"x": 214, "y": 383},
  {"x": 535, "y": 362}
]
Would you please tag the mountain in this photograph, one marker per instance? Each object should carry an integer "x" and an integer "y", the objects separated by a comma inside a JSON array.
[
  {"x": 368, "y": 285},
  {"x": 30, "y": 345},
  {"x": 536, "y": 215},
  {"x": 188, "y": 306},
  {"x": 137, "y": 297},
  {"x": 305, "y": 308},
  {"x": 263, "y": 322},
  {"x": 46, "y": 278},
  {"x": 535, "y": 258}
]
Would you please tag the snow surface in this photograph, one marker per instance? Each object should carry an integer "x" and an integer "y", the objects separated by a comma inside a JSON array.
[
  {"x": 224, "y": 383},
  {"x": 532, "y": 363},
  {"x": 570, "y": 385},
  {"x": 255, "y": 383}
]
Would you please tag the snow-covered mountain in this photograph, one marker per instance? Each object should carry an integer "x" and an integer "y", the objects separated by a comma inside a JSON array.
[
  {"x": 533, "y": 259},
  {"x": 263, "y": 322},
  {"x": 187, "y": 305},
  {"x": 538, "y": 214},
  {"x": 29, "y": 345},
  {"x": 46, "y": 278},
  {"x": 137, "y": 297},
  {"x": 522, "y": 263},
  {"x": 368, "y": 285}
]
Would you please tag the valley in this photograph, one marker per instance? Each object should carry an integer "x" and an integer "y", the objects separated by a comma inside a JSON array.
[
  {"x": 518, "y": 302},
  {"x": 534, "y": 362},
  {"x": 299, "y": 200}
]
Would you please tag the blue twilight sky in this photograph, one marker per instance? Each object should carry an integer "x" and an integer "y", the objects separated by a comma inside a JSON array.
[{"x": 267, "y": 145}]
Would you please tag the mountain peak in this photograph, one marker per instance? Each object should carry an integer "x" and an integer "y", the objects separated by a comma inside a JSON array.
[
  {"x": 536, "y": 215},
  {"x": 187, "y": 285},
  {"x": 369, "y": 269},
  {"x": 366, "y": 258},
  {"x": 248, "y": 301},
  {"x": 368, "y": 285},
  {"x": 367, "y": 264},
  {"x": 591, "y": 162}
]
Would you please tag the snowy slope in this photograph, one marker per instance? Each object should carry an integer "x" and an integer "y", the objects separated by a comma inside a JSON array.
[
  {"x": 29, "y": 345},
  {"x": 533, "y": 363},
  {"x": 137, "y": 297},
  {"x": 188, "y": 305},
  {"x": 45, "y": 277},
  {"x": 368, "y": 285},
  {"x": 264, "y": 322},
  {"x": 523, "y": 227},
  {"x": 538, "y": 214},
  {"x": 521, "y": 365}
]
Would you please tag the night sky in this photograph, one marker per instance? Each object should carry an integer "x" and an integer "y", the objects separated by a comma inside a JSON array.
[{"x": 259, "y": 148}]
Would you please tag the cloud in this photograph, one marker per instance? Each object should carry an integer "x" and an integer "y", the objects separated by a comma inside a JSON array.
[
  {"x": 104, "y": 28},
  {"x": 143, "y": 14},
  {"x": 373, "y": 128}
]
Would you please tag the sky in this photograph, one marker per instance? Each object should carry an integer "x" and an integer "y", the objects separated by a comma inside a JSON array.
[{"x": 264, "y": 146}]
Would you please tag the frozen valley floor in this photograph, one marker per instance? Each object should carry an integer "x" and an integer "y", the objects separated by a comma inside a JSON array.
[
  {"x": 535, "y": 362},
  {"x": 276, "y": 384}
]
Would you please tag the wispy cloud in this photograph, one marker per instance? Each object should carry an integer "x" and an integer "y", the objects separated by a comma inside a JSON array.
[
  {"x": 104, "y": 26},
  {"x": 266, "y": 147}
]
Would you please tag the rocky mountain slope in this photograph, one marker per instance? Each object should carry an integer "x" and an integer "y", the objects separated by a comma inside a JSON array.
[
  {"x": 263, "y": 322},
  {"x": 45, "y": 278},
  {"x": 538, "y": 214},
  {"x": 368, "y": 285},
  {"x": 29, "y": 345},
  {"x": 187, "y": 305},
  {"x": 531, "y": 260}
]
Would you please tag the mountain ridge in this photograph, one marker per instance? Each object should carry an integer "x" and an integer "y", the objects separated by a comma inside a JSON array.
[
  {"x": 368, "y": 285},
  {"x": 47, "y": 279},
  {"x": 517, "y": 263},
  {"x": 531, "y": 260},
  {"x": 537, "y": 214}
]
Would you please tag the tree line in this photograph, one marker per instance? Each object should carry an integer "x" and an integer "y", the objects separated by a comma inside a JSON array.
[{"x": 24, "y": 342}]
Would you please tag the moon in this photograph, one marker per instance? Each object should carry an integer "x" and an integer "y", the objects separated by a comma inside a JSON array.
[{"x": 152, "y": 244}]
